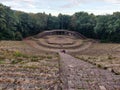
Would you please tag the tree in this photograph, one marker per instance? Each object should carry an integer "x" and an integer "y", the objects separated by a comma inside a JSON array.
[
  {"x": 84, "y": 23},
  {"x": 64, "y": 21},
  {"x": 52, "y": 22},
  {"x": 15, "y": 25},
  {"x": 18, "y": 36}
]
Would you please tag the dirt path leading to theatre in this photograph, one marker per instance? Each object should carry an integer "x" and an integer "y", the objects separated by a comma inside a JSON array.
[{"x": 79, "y": 75}]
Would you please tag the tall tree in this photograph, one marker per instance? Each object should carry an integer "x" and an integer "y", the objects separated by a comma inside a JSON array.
[{"x": 15, "y": 25}]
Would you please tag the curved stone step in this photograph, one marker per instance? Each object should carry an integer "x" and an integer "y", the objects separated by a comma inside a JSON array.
[{"x": 77, "y": 44}]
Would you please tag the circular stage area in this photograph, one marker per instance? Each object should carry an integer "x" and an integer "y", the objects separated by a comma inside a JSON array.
[
  {"x": 55, "y": 40},
  {"x": 59, "y": 40}
]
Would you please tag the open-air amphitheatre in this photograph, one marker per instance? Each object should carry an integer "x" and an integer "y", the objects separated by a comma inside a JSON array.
[
  {"x": 56, "y": 40},
  {"x": 39, "y": 63}
]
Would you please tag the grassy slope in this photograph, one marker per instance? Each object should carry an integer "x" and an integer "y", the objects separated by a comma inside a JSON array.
[
  {"x": 105, "y": 56},
  {"x": 22, "y": 66}
]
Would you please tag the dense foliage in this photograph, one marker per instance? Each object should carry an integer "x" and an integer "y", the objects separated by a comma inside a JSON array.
[{"x": 15, "y": 25}]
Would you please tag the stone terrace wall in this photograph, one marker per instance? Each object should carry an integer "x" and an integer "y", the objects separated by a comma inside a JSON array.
[{"x": 60, "y": 32}]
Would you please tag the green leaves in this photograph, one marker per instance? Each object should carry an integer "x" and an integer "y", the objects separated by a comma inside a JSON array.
[{"x": 15, "y": 25}]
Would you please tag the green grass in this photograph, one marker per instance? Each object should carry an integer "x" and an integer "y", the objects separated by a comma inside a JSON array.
[
  {"x": 16, "y": 61},
  {"x": 19, "y": 54},
  {"x": 34, "y": 59},
  {"x": 80, "y": 88},
  {"x": 2, "y": 61},
  {"x": 31, "y": 67},
  {"x": 49, "y": 57}
]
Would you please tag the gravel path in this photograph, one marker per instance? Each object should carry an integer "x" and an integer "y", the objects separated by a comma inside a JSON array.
[{"x": 79, "y": 75}]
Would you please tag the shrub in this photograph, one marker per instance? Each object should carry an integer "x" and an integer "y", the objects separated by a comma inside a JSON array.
[
  {"x": 49, "y": 57},
  {"x": 16, "y": 61},
  {"x": 31, "y": 67},
  {"x": 2, "y": 61},
  {"x": 19, "y": 54},
  {"x": 34, "y": 60}
]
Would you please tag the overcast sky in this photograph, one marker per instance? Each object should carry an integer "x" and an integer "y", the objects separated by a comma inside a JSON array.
[{"x": 64, "y": 6}]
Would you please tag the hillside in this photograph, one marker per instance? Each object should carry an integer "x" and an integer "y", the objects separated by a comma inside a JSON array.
[
  {"x": 39, "y": 63},
  {"x": 23, "y": 67}
]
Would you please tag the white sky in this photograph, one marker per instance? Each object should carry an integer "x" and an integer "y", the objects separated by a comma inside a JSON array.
[{"x": 64, "y": 6}]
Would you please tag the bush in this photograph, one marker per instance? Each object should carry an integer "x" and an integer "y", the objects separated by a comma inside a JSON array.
[
  {"x": 49, "y": 57},
  {"x": 34, "y": 59},
  {"x": 2, "y": 61},
  {"x": 16, "y": 61},
  {"x": 19, "y": 54}
]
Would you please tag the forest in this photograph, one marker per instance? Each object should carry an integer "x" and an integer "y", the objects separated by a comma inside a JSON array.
[{"x": 16, "y": 25}]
